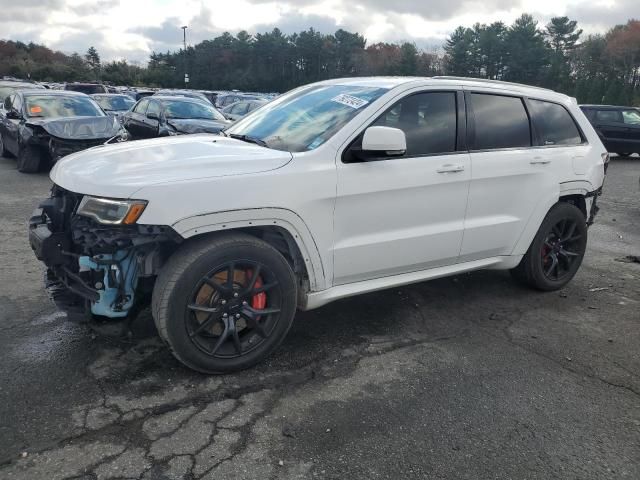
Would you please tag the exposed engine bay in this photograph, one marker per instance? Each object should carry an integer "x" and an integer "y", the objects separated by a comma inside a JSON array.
[{"x": 96, "y": 269}]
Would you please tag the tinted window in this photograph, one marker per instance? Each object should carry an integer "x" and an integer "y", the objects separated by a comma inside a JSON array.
[
  {"x": 631, "y": 117},
  {"x": 500, "y": 122},
  {"x": 86, "y": 88},
  {"x": 142, "y": 106},
  {"x": 554, "y": 124},
  {"x": 609, "y": 116},
  {"x": 428, "y": 121}
]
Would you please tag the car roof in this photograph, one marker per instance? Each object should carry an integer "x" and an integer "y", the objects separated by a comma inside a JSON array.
[
  {"x": 109, "y": 95},
  {"x": 178, "y": 98},
  {"x": 58, "y": 93},
  {"x": 392, "y": 82},
  {"x": 14, "y": 83},
  {"x": 608, "y": 107}
]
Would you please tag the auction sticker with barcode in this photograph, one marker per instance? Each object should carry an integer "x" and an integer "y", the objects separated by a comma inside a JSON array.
[{"x": 349, "y": 101}]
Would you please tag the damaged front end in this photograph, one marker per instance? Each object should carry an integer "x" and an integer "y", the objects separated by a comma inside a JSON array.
[
  {"x": 94, "y": 268},
  {"x": 59, "y": 137}
]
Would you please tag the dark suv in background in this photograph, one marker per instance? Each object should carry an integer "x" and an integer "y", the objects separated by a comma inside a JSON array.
[{"x": 618, "y": 127}]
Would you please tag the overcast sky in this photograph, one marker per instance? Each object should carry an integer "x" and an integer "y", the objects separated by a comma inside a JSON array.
[{"x": 132, "y": 29}]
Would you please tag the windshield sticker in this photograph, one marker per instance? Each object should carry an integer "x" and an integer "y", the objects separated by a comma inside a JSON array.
[
  {"x": 316, "y": 143},
  {"x": 36, "y": 109},
  {"x": 349, "y": 101}
]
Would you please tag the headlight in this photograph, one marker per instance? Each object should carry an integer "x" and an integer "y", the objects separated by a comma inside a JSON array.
[{"x": 114, "y": 212}]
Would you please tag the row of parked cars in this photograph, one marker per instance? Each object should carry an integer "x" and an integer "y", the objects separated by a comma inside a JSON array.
[{"x": 39, "y": 126}]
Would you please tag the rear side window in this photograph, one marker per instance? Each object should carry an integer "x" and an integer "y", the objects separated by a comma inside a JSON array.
[
  {"x": 500, "y": 122},
  {"x": 609, "y": 116},
  {"x": 428, "y": 121},
  {"x": 554, "y": 124}
]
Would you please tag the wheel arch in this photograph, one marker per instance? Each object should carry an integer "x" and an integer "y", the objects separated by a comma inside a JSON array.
[{"x": 282, "y": 229}]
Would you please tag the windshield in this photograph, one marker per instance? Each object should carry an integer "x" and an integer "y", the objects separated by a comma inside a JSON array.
[
  {"x": 306, "y": 118},
  {"x": 50, "y": 106},
  {"x": 121, "y": 102},
  {"x": 176, "y": 109}
]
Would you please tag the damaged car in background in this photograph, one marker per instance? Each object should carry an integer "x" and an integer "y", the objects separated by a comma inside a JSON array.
[
  {"x": 115, "y": 104},
  {"x": 163, "y": 116},
  {"x": 40, "y": 127}
]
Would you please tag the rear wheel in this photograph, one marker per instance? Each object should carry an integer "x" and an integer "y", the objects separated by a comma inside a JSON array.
[
  {"x": 224, "y": 303},
  {"x": 29, "y": 159},
  {"x": 557, "y": 250}
]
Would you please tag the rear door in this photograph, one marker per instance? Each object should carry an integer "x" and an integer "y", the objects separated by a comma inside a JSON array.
[
  {"x": 610, "y": 125},
  {"x": 403, "y": 214},
  {"x": 510, "y": 175}
]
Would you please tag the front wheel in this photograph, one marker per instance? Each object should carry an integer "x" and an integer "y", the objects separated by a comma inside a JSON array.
[
  {"x": 29, "y": 159},
  {"x": 224, "y": 303},
  {"x": 557, "y": 250}
]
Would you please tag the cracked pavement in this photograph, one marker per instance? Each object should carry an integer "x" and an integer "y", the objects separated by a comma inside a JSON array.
[{"x": 466, "y": 377}]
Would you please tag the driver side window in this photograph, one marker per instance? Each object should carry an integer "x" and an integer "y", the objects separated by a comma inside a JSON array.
[
  {"x": 154, "y": 107},
  {"x": 141, "y": 108},
  {"x": 428, "y": 121}
]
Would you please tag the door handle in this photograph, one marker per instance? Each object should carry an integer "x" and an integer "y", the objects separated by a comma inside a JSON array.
[
  {"x": 539, "y": 161},
  {"x": 449, "y": 168}
]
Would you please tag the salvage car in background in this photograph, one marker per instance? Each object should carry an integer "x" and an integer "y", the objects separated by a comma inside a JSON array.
[
  {"x": 334, "y": 189},
  {"x": 88, "y": 88},
  {"x": 184, "y": 93},
  {"x": 618, "y": 127},
  {"x": 237, "y": 110},
  {"x": 41, "y": 126},
  {"x": 7, "y": 87},
  {"x": 159, "y": 116},
  {"x": 225, "y": 100},
  {"x": 115, "y": 104}
]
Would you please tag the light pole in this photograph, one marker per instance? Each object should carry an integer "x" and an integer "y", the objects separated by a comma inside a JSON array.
[{"x": 184, "y": 43}]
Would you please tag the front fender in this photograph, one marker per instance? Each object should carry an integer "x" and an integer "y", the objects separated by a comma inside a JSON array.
[{"x": 279, "y": 217}]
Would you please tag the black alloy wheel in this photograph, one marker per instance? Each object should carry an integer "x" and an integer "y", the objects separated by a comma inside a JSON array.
[
  {"x": 557, "y": 250},
  {"x": 223, "y": 302},
  {"x": 560, "y": 249},
  {"x": 233, "y": 309}
]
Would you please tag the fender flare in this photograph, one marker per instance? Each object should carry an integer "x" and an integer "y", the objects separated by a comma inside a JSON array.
[
  {"x": 578, "y": 187},
  {"x": 257, "y": 217}
]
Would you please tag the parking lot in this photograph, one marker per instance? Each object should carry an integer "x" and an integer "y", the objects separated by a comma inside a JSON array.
[{"x": 466, "y": 377}]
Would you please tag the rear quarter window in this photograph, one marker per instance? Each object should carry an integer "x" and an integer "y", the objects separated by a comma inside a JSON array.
[
  {"x": 500, "y": 122},
  {"x": 554, "y": 124}
]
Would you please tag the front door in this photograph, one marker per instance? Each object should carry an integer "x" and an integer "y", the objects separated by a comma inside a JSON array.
[{"x": 404, "y": 214}]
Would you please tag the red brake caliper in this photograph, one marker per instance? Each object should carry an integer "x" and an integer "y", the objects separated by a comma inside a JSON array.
[{"x": 259, "y": 300}]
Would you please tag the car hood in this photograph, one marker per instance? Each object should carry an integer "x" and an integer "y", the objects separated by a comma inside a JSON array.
[
  {"x": 79, "y": 128},
  {"x": 119, "y": 170},
  {"x": 197, "y": 125}
]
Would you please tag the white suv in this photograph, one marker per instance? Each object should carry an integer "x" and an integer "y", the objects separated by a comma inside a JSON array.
[{"x": 331, "y": 190}]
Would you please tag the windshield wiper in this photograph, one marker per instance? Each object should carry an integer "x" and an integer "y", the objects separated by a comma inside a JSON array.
[{"x": 248, "y": 139}]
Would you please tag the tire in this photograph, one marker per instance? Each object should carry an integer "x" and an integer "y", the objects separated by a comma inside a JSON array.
[
  {"x": 212, "y": 326},
  {"x": 557, "y": 250},
  {"x": 29, "y": 159},
  {"x": 623, "y": 154}
]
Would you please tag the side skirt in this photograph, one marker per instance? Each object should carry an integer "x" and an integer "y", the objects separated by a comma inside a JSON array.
[{"x": 318, "y": 299}]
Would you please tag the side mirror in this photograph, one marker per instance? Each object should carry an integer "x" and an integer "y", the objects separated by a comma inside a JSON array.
[
  {"x": 153, "y": 116},
  {"x": 385, "y": 141}
]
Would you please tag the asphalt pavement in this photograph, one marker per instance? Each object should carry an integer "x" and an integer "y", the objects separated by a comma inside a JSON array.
[{"x": 469, "y": 377}]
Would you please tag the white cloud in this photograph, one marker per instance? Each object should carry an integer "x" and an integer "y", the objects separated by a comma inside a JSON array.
[{"x": 127, "y": 29}]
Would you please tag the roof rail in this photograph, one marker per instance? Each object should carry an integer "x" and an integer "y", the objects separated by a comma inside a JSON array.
[{"x": 486, "y": 80}]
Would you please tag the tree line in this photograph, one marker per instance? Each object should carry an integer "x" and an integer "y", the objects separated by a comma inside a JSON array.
[{"x": 594, "y": 68}]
